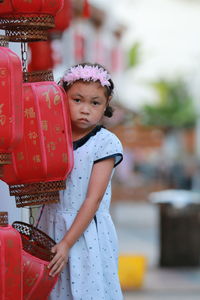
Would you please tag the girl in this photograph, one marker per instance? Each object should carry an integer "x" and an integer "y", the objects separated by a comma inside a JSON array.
[{"x": 86, "y": 250}]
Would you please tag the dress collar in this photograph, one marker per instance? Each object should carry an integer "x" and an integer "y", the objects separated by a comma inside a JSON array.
[{"x": 77, "y": 144}]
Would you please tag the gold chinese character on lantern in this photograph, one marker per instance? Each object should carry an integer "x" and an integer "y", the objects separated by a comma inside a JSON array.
[
  {"x": 32, "y": 135},
  {"x": 64, "y": 157},
  {"x": 51, "y": 146},
  {"x": 2, "y": 141},
  {"x": 20, "y": 156},
  {"x": 2, "y": 120},
  {"x": 2, "y": 117},
  {"x": 11, "y": 119},
  {"x": 1, "y": 108},
  {"x": 29, "y": 113},
  {"x": 45, "y": 125},
  {"x": 57, "y": 128},
  {"x": 47, "y": 99},
  {"x": 3, "y": 72},
  {"x": 36, "y": 158},
  {"x": 57, "y": 99}
]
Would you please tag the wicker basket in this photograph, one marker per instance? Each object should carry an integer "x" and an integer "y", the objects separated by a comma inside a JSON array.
[{"x": 35, "y": 241}]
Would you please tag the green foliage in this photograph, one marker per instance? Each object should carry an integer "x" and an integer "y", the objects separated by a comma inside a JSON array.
[
  {"x": 134, "y": 55},
  {"x": 174, "y": 108}
]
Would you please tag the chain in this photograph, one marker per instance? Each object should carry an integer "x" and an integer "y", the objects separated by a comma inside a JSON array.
[
  {"x": 24, "y": 54},
  {"x": 31, "y": 218},
  {"x": 31, "y": 222}
]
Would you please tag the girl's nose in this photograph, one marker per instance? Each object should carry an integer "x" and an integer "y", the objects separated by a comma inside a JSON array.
[{"x": 85, "y": 109}]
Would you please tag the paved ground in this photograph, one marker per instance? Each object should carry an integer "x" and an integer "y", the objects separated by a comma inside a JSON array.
[{"x": 137, "y": 226}]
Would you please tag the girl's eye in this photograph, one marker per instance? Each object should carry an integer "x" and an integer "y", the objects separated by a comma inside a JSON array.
[
  {"x": 95, "y": 103},
  {"x": 77, "y": 100}
]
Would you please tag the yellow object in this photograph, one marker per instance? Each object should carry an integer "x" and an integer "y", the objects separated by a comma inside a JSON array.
[{"x": 131, "y": 271}]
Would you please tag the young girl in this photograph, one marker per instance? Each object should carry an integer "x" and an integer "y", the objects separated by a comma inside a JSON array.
[{"x": 86, "y": 251}]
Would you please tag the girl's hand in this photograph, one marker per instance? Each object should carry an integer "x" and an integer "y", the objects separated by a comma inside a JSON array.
[{"x": 61, "y": 251}]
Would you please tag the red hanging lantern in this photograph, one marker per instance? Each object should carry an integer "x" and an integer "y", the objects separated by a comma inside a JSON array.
[
  {"x": 86, "y": 9},
  {"x": 36, "y": 255},
  {"x": 43, "y": 159},
  {"x": 63, "y": 18},
  {"x": 28, "y": 20},
  {"x": 41, "y": 56},
  {"x": 11, "y": 108},
  {"x": 10, "y": 261}
]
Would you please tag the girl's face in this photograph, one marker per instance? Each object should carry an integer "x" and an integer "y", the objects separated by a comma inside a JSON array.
[{"x": 87, "y": 103}]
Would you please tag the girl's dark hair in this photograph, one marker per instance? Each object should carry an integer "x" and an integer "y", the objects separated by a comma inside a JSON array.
[
  {"x": 109, "y": 111},
  {"x": 108, "y": 89}
]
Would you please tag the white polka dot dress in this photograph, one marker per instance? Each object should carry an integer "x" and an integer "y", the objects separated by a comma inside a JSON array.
[{"x": 92, "y": 269}]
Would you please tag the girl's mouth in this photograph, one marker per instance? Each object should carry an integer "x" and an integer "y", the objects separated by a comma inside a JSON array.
[{"x": 83, "y": 120}]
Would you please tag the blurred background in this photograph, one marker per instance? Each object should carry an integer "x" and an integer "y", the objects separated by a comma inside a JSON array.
[{"x": 152, "y": 50}]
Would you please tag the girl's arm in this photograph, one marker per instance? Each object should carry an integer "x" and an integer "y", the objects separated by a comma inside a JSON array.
[{"x": 99, "y": 180}]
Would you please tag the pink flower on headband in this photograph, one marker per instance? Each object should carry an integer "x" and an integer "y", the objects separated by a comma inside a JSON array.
[{"x": 87, "y": 73}]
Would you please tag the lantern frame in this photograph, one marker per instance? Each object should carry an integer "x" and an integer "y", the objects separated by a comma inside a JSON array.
[
  {"x": 11, "y": 93},
  {"x": 29, "y": 22},
  {"x": 41, "y": 188}
]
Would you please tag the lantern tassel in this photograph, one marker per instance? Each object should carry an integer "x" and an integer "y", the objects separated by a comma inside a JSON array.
[{"x": 86, "y": 9}]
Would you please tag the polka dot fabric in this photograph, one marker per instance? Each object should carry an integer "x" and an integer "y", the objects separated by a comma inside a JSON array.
[{"x": 92, "y": 269}]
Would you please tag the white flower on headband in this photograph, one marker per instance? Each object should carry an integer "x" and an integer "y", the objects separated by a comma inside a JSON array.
[{"x": 87, "y": 73}]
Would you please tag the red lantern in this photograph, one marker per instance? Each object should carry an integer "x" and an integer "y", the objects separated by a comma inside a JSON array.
[
  {"x": 63, "y": 18},
  {"x": 41, "y": 56},
  {"x": 36, "y": 255},
  {"x": 28, "y": 20},
  {"x": 10, "y": 261},
  {"x": 11, "y": 107},
  {"x": 43, "y": 159},
  {"x": 36, "y": 279},
  {"x": 86, "y": 9}
]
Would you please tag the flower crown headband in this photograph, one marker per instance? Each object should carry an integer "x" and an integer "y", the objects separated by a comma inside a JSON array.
[{"x": 87, "y": 73}]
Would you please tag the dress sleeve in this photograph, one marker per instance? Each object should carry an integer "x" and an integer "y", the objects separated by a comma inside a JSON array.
[{"x": 109, "y": 146}]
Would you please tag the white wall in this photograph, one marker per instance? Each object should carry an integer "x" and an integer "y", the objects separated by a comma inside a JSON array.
[
  {"x": 7, "y": 203},
  {"x": 169, "y": 33}
]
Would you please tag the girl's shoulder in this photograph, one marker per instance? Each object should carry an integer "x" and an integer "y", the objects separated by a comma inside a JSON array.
[
  {"x": 107, "y": 145},
  {"x": 106, "y": 134},
  {"x": 105, "y": 137}
]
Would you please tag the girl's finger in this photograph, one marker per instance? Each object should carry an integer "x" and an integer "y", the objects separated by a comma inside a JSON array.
[
  {"x": 55, "y": 260},
  {"x": 56, "y": 269}
]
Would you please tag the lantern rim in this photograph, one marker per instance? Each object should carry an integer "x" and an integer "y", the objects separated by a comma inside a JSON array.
[
  {"x": 27, "y": 27},
  {"x": 37, "y": 193},
  {"x": 5, "y": 158},
  {"x": 4, "y": 41},
  {"x": 3, "y": 218},
  {"x": 38, "y": 76}
]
